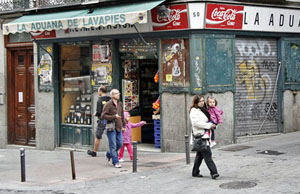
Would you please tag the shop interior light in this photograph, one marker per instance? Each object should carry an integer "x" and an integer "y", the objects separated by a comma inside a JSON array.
[{"x": 294, "y": 1}]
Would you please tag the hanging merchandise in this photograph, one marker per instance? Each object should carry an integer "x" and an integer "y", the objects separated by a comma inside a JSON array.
[
  {"x": 156, "y": 106},
  {"x": 156, "y": 77}
]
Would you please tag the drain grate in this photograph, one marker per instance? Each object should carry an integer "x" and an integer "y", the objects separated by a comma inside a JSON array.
[
  {"x": 153, "y": 164},
  {"x": 238, "y": 185},
  {"x": 270, "y": 152},
  {"x": 236, "y": 148}
]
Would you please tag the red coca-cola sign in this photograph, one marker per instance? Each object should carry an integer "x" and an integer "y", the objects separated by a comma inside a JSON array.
[
  {"x": 44, "y": 34},
  {"x": 170, "y": 17},
  {"x": 224, "y": 16}
]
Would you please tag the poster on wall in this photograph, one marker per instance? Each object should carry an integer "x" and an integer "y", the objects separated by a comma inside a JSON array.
[
  {"x": 101, "y": 65},
  {"x": 101, "y": 73},
  {"x": 96, "y": 53},
  {"x": 104, "y": 49},
  {"x": 170, "y": 17},
  {"x": 44, "y": 68},
  {"x": 174, "y": 63}
]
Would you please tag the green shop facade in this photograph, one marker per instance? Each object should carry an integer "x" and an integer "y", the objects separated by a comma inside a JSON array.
[{"x": 245, "y": 56}]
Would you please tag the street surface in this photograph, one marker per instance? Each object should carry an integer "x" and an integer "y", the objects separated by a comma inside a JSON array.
[{"x": 269, "y": 165}]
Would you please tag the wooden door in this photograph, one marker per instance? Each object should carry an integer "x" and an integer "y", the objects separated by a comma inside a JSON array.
[{"x": 24, "y": 108}]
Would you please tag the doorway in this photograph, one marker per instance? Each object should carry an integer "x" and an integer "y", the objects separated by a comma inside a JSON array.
[{"x": 21, "y": 107}]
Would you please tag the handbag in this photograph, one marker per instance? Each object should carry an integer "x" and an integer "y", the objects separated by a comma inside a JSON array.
[
  {"x": 199, "y": 144},
  {"x": 112, "y": 125}
]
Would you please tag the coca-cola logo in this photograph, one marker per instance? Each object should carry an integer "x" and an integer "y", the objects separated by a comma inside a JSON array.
[
  {"x": 224, "y": 16},
  {"x": 168, "y": 15},
  {"x": 229, "y": 14}
]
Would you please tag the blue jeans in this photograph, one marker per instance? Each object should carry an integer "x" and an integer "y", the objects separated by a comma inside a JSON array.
[{"x": 115, "y": 141}]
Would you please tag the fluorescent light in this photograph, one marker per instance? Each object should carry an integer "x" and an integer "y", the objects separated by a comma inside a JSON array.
[{"x": 296, "y": 1}]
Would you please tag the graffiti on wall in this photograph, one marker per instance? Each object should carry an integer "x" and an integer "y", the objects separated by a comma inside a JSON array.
[
  {"x": 256, "y": 72},
  {"x": 257, "y": 84}
]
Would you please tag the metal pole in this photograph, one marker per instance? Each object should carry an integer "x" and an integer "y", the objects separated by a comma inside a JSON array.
[
  {"x": 187, "y": 149},
  {"x": 22, "y": 156},
  {"x": 134, "y": 162},
  {"x": 72, "y": 165}
]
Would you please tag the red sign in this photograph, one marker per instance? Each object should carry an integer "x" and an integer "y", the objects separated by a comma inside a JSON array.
[
  {"x": 170, "y": 17},
  {"x": 44, "y": 34},
  {"x": 224, "y": 16}
]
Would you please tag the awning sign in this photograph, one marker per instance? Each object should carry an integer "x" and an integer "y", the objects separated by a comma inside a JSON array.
[{"x": 80, "y": 22}]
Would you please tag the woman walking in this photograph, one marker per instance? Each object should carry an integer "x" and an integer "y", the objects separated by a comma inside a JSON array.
[{"x": 200, "y": 121}]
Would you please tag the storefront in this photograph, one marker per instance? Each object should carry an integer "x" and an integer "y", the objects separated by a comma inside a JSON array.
[{"x": 158, "y": 63}]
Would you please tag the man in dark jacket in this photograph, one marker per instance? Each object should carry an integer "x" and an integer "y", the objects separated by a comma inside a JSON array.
[
  {"x": 113, "y": 113},
  {"x": 103, "y": 98}
]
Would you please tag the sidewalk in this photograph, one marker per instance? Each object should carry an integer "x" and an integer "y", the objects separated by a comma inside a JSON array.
[
  {"x": 54, "y": 167},
  {"x": 268, "y": 165}
]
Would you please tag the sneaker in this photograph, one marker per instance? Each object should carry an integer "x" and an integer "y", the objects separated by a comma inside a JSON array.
[
  {"x": 214, "y": 176},
  {"x": 205, "y": 136},
  {"x": 212, "y": 144},
  {"x": 121, "y": 160},
  {"x": 92, "y": 153},
  {"x": 118, "y": 165},
  {"x": 107, "y": 158}
]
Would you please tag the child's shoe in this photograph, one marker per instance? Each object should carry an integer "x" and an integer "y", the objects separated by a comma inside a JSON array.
[
  {"x": 205, "y": 136},
  {"x": 121, "y": 160},
  {"x": 118, "y": 165},
  {"x": 212, "y": 144}
]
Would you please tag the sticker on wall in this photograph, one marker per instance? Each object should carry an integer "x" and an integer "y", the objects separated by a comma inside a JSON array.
[{"x": 45, "y": 71}]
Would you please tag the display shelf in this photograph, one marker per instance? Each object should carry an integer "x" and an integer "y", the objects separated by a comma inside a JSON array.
[{"x": 75, "y": 125}]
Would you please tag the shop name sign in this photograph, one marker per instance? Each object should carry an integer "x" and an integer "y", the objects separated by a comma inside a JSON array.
[
  {"x": 219, "y": 16},
  {"x": 79, "y": 22}
]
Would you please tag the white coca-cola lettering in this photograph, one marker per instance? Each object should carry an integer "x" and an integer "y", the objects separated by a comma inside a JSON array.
[
  {"x": 174, "y": 15},
  {"x": 229, "y": 14}
]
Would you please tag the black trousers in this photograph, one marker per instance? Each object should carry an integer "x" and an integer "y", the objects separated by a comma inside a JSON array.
[{"x": 206, "y": 155}]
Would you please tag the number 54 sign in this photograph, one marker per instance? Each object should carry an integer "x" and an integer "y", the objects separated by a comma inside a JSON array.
[{"x": 196, "y": 14}]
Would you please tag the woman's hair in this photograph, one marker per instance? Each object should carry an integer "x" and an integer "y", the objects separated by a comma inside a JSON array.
[
  {"x": 211, "y": 98},
  {"x": 195, "y": 102}
]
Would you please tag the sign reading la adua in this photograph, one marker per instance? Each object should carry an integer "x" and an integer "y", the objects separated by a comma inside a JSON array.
[{"x": 124, "y": 14}]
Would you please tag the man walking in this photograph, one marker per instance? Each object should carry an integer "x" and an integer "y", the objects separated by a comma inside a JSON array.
[
  {"x": 113, "y": 113},
  {"x": 103, "y": 98}
]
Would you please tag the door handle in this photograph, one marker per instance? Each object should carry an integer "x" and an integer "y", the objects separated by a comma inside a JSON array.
[
  {"x": 19, "y": 116},
  {"x": 32, "y": 116}
]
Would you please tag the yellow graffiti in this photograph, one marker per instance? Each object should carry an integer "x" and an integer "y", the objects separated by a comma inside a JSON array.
[{"x": 257, "y": 85}]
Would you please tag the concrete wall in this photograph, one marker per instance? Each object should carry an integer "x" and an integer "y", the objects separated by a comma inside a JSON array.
[
  {"x": 176, "y": 123},
  {"x": 44, "y": 114},
  {"x": 291, "y": 111},
  {"x": 3, "y": 91}
]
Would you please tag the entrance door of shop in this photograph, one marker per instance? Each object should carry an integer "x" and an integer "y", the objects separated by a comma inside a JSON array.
[{"x": 22, "y": 107}]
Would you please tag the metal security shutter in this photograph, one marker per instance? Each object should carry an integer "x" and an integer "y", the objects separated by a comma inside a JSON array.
[{"x": 256, "y": 71}]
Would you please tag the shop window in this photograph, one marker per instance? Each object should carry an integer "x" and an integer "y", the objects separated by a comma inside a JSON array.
[
  {"x": 75, "y": 83},
  {"x": 175, "y": 62},
  {"x": 101, "y": 64}
]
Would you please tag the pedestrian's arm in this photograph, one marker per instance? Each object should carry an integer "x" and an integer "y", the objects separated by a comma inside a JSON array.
[
  {"x": 139, "y": 124},
  {"x": 199, "y": 122},
  {"x": 99, "y": 108},
  {"x": 105, "y": 113}
]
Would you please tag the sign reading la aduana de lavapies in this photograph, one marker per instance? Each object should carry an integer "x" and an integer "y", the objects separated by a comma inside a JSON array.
[{"x": 80, "y": 22}]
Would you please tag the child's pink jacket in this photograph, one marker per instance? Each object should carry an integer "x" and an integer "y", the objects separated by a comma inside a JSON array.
[
  {"x": 215, "y": 114},
  {"x": 129, "y": 126}
]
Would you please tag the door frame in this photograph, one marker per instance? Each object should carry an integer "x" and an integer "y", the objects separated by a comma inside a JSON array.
[{"x": 10, "y": 48}]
